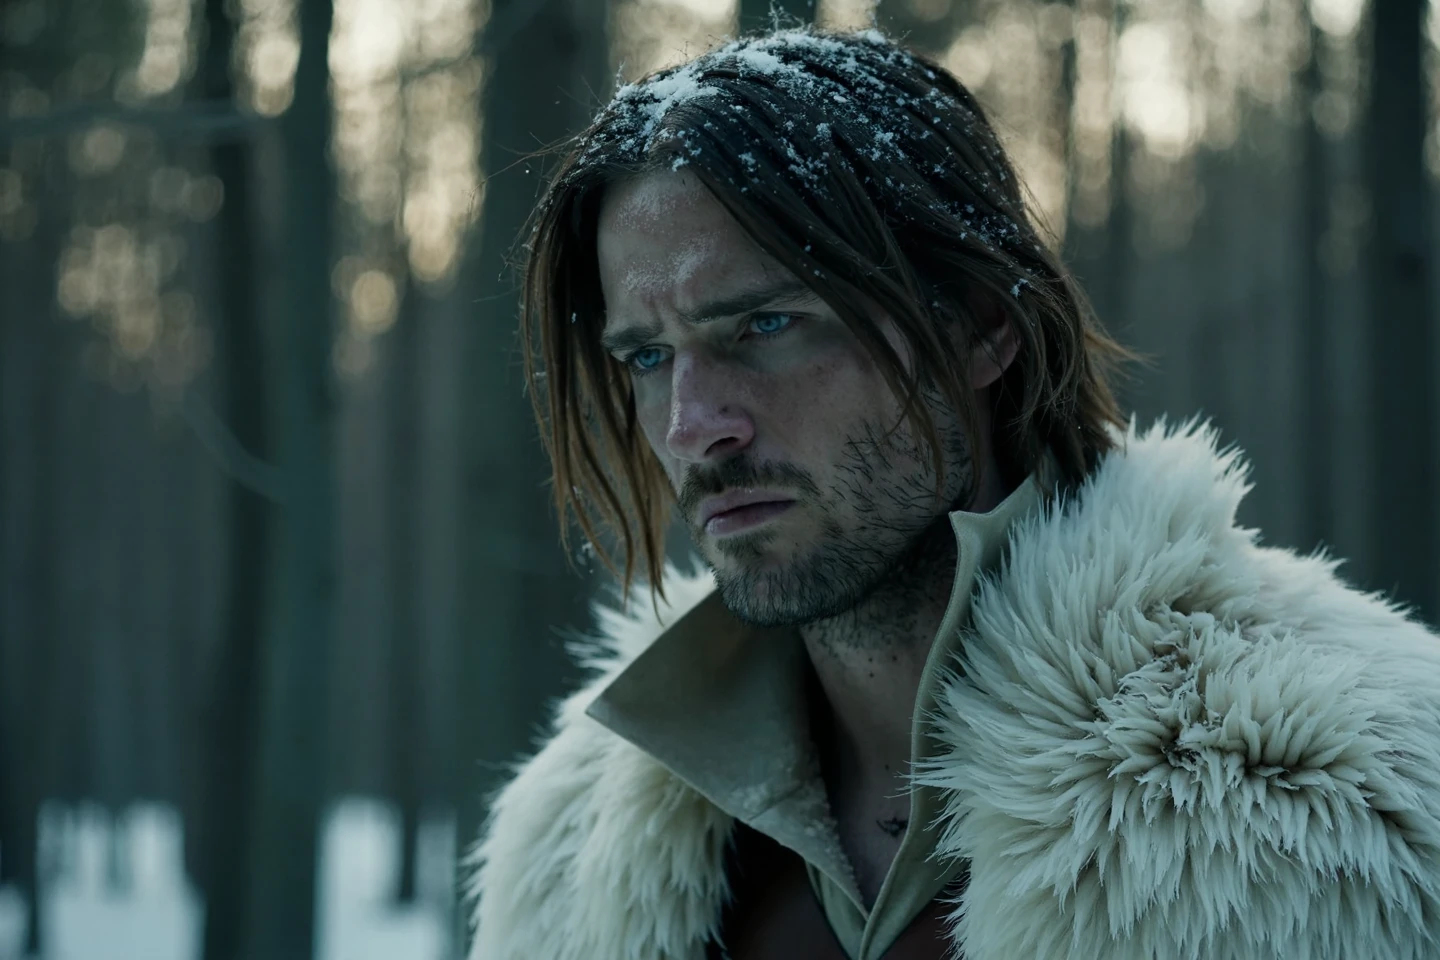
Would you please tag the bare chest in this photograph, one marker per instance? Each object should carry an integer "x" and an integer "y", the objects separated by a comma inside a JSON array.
[
  {"x": 773, "y": 914},
  {"x": 871, "y": 825}
]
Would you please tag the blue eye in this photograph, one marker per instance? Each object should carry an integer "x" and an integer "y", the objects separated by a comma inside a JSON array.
[
  {"x": 770, "y": 323},
  {"x": 760, "y": 325},
  {"x": 645, "y": 359}
]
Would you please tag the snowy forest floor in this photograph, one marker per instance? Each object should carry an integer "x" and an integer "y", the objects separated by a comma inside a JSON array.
[{"x": 148, "y": 909}]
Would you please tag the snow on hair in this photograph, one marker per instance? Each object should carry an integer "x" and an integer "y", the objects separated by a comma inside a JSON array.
[{"x": 871, "y": 174}]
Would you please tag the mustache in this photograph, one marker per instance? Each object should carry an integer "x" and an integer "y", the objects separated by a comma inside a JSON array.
[{"x": 702, "y": 482}]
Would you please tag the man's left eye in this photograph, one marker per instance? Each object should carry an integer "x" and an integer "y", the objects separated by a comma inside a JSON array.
[{"x": 767, "y": 323}]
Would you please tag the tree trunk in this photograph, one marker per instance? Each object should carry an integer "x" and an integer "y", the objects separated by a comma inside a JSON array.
[
  {"x": 28, "y": 783},
  {"x": 515, "y": 586},
  {"x": 33, "y": 377},
  {"x": 1119, "y": 240},
  {"x": 1402, "y": 310},
  {"x": 37, "y": 352},
  {"x": 224, "y": 835},
  {"x": 404, "y": 547},
  {"x": 291, "y": 769},
  {"x": 1314, "y": 206},
  {"x": 1064, "y": 107},
  {"x": 15, "y": 423}
]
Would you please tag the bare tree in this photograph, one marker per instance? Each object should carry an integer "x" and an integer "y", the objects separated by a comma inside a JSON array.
[
  {"x": 1119, "y": 239},
  {"x": 43, "y": 344},
  {"x": 36, "y": 350},
  {"x": 404, "y": 545},
  {"x": 224, "y": 834},
  {"x": 1315, "y": 182},
  {"x": 1402, "y": 309},
  {"x": 291, "y": 773}
]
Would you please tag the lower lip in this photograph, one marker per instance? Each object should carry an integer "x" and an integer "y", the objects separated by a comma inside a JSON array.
[{"x": 744, "y": 518}]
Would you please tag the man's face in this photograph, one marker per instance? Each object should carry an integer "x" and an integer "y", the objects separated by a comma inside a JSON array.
[{"x": 772, "y": 421}]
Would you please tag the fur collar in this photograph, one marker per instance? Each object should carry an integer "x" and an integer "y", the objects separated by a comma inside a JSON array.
[{"x": 1163, "y": 741}]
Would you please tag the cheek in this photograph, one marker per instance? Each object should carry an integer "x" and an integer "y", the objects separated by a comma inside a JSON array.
[
  {"x": 652, "y": 413},
  {"x": 814, "y": 403}
]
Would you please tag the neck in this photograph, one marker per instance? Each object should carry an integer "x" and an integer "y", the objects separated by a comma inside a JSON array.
[
  {"x": 868, "y": 662},
  {"x": 869, "y": 659}
]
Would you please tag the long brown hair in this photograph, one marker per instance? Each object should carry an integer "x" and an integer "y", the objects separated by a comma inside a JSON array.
[{"x": 872, "y": 175}]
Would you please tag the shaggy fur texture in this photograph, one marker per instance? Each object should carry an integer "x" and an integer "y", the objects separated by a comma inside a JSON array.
[
  {"x": 1164, "y": 742},
  {"x": 594, "y": 850}
]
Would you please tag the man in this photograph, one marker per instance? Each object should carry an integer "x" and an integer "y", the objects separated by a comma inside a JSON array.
[{"x": 974, "y": 670}]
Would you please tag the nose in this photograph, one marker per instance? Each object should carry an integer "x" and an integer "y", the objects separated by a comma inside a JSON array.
[{"x": 707, "y": 421}]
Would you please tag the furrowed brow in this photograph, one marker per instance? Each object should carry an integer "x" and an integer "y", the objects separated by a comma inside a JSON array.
[
  {"x": 747, "y": 301},
  {"x": 630, "y": 338}
]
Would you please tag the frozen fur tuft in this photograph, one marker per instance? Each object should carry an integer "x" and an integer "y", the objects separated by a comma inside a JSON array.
[{"x": 1167, "y": 742}]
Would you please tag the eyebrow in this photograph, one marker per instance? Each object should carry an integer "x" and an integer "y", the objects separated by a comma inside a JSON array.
[{"x": 631, "y": 337}]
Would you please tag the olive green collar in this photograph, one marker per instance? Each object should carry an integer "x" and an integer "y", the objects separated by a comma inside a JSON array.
[{"x": 722, "y": 705}]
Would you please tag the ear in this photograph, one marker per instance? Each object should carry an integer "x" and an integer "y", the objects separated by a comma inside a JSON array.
[{"x": 993, "y": 352}]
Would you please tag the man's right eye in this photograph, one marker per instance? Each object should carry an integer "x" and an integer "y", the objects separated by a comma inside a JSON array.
[{"x": 644, "y": 360}]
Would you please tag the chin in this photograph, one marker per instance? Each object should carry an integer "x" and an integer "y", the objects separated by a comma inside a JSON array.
[
  {"x": 775, "y": 593},
  {"x": 759, "y": 600}
]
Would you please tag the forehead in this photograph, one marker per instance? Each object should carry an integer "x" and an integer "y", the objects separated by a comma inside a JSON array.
[{"x": 665, "y": 244}]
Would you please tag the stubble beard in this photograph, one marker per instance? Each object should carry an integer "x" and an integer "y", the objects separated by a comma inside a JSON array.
[{"x": 886, "y": 486}]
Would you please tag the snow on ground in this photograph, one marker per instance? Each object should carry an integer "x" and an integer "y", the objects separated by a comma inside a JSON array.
[{"x": 156, "y": 914}]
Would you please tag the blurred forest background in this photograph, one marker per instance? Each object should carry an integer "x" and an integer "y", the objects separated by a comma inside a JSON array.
[{"x": 281, "y": 593}]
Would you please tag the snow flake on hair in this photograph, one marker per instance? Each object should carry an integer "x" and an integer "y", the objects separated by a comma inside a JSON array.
[
  {"x": 655, "y": 99},
  {"x": 759, "y": 61},
  {"x": 808, "y": 66},
  {"x": 791, "y": 110}
]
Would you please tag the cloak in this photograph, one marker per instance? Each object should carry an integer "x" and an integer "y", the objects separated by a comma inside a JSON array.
[{"x": 1163, "y": 740}]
